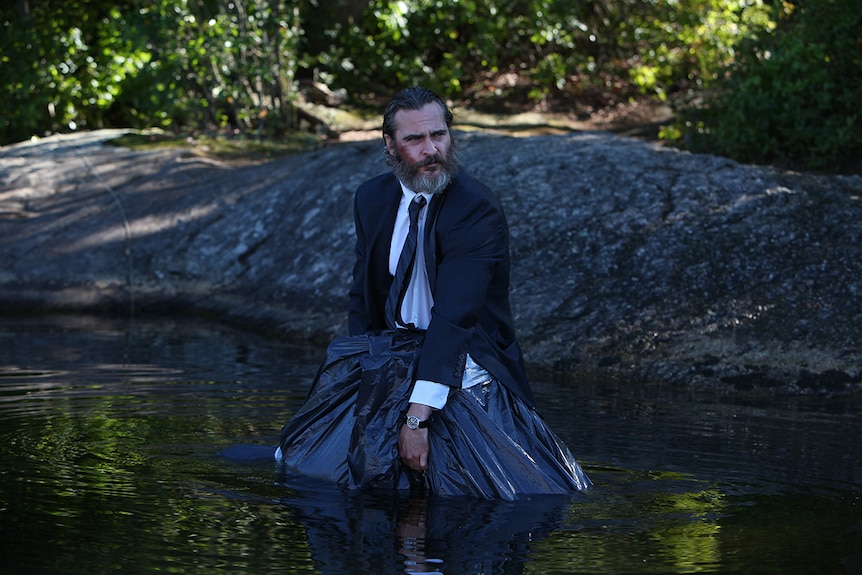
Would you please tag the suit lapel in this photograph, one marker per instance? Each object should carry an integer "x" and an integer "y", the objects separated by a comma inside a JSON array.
[
  {"x": 382, "y": 211},
  {"x": 385, "y": 204},
  {"x": 431, "y": 240}
]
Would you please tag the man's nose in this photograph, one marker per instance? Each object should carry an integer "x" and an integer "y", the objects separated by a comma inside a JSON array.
[{"x": 429, "y": 149}]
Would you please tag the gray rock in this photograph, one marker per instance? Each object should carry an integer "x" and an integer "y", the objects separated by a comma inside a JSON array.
[{"x": 629, "y": 258}]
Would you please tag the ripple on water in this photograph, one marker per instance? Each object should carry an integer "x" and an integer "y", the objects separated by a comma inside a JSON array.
[{"x": 109, "y": 436}]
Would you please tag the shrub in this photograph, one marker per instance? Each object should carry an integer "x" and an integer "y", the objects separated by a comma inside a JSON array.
[
  {"x": 792, "y": 96},
  {"x": 71, "y": 65}
]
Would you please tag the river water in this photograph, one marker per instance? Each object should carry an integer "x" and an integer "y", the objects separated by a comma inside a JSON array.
[{"x": 143, "y": 446}]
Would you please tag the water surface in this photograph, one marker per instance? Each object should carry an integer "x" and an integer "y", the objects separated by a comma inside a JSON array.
[{"x": 113, "y": 439}]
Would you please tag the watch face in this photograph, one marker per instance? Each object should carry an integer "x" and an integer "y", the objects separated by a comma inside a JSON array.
[{"x": 412, "y": 422}]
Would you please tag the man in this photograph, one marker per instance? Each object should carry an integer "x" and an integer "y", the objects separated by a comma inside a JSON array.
[
  {"x": 436, "y": 298},
  {"x": 470, "y": 313}
]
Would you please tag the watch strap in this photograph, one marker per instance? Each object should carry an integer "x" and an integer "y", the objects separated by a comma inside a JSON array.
[{"x": 420, "y": 425}]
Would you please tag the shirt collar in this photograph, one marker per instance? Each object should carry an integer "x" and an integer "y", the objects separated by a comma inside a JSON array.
[{"x": 410, "y": 194}]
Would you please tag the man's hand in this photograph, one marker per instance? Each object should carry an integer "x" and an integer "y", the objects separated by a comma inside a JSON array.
[{"x": 413, "y": 445}]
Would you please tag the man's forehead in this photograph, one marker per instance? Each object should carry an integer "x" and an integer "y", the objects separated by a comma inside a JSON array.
[{"x": 428, "y": 118}]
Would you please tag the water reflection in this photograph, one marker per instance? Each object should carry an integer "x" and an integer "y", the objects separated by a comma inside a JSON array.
[
  {"x": 377, "y": 533},
  {"x": 113, "y": 441}
]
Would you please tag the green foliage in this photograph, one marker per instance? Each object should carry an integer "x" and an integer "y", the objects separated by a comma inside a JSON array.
[
  {"x": 686, "y": 44},
  {"x": 60, "y": 65},
  {"x": 780, "y": 80},
  {"x": 82, "y": 65},
  {"x": 792, "y": 96},
  {"x": 475, "y": 47}
]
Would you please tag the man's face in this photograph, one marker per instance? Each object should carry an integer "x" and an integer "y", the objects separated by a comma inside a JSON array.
[{"x": 422, "y": 151}]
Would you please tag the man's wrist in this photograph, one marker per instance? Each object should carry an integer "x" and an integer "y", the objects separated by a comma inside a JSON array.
[
  {"x": 418, "y": 416},
  {"x": 420, "y": 410},
  {"x": 413, "y": 422}
]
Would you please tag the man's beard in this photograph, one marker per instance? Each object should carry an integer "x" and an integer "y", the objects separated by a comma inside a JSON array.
[{"x": 422, "y": 183}]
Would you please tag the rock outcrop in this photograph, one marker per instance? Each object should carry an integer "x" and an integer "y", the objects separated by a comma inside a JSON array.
[{"x": 628, "y": 258}]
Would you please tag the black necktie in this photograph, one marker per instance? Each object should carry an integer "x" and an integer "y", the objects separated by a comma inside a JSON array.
[{"x": 405, "y": 266}]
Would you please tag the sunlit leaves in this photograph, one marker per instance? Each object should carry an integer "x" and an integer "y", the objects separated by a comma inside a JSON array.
[
  {"x": 654, "y": 46},
  {"x": 778, "y": 76},
  {"x": 135, "y": 63}
]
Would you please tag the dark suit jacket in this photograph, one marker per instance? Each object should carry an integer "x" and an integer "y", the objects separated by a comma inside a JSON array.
[{"x": 468, "y": 245}]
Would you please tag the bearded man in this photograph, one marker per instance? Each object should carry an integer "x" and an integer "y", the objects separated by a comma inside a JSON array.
[{"x": 429, "y": 390}]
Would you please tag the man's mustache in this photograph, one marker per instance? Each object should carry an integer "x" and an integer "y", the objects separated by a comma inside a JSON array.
[{"x": 435, "y": 159}]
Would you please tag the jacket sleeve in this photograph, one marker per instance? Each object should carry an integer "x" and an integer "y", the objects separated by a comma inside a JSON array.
[{"x": 358, "y": 321}]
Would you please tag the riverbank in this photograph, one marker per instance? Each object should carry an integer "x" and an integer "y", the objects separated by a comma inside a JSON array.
[{"x": 629, "y": 259}]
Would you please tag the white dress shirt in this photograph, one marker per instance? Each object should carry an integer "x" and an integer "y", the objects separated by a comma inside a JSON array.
[{"x": 418, "y": 301}]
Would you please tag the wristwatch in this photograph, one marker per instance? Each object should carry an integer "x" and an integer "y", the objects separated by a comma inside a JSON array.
[{"x": 414, "y": 423}]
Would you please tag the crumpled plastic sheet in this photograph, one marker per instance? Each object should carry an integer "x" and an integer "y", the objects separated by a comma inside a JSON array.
[{"x": 486, "y": 442}]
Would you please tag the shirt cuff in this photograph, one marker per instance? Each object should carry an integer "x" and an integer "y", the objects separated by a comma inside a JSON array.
[{"x": 430, "y": 393}]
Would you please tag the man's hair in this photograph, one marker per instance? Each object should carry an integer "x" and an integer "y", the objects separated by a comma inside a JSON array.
[{"x": 412, "y": 99}]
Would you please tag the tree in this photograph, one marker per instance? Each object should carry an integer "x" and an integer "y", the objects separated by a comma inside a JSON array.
[{"x": 82, "y": 65}]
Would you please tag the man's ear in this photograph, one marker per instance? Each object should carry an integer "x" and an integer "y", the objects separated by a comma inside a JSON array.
[{"x": 390, "y": 145}]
